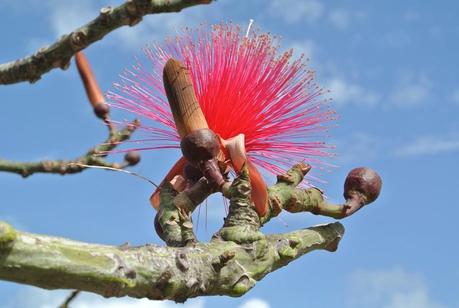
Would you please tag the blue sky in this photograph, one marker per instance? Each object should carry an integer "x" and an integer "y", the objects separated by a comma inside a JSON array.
[{"x": 392, "y": 70}]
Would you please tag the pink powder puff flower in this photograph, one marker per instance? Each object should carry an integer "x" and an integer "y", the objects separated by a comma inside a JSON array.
[{"x": 244, "y": 86}]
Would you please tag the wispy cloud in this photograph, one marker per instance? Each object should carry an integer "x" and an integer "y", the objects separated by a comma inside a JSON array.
[
  {"x": 291, "y": 11},
  {"x": 343, "y": 18},
  {"x": 358, "y": 147},
  {"x": 345, "y": 92},
  {"x": 255, "y": 303},
  {"x": 38, "y": 298},
  {"x": 306, "y": 47},
  {"x": 65, "y": 16},
  {"x": 393, "y": 288},
  {"x": 68, "y": 15},
  {"x": 429, "y": 145},
  {"x": 312, "y": 11},
  {"x": 30, "y": 297},
  {"x": 411, "y": 90}
]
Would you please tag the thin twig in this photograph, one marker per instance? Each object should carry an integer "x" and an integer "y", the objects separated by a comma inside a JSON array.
[
  {"x": 70, "y": 298},
  {"x": 58, "y": 54},
  {"x": 93, "y": 157}
]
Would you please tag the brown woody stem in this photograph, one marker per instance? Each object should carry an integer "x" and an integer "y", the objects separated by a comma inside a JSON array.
[
  {"x": 59, "y": 53},
  {"x": 92, "y": 157}
]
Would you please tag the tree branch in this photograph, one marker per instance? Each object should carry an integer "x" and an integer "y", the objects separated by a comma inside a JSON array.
[
  {"x": 58, "y": 54},
  {"x": 94, "y": 157},
  {"x": 173, "y": 221},
  {"x": 215, "y": 268}
]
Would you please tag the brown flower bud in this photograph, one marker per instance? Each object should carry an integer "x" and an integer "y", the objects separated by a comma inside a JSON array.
[
  {"x": 192, "y": 173},
  {"x": 101, "y": 110},
  {"x": 132, "y": 158},
  {"x": 364, "y": 181},
  {"x": 200, "y": 145},
  {"x": 200, "y": 148}
]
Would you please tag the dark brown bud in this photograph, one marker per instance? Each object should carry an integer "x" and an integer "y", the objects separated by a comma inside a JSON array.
[
  {"x": 364, "y": 181},
  {"x": 192, "y": 173},
  {"x": 101, "y": 110},
  {"x": 200, "y": 145},
  {"x": 132, "y": 158},
  {"x": 200, "y": 148},
  {"x": 211, "y": 171}
]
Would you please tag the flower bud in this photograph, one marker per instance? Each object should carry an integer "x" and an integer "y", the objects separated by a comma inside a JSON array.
[
  {"x": 132, "y": 158},
  {"x": 364, "y": 181}
]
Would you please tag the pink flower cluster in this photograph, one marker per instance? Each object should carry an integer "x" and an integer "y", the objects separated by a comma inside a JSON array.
[{"x": 244, "y": 85}]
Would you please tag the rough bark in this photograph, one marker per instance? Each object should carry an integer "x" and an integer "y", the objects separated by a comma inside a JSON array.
[
  {"x": 230, "y": 264},
  {"x": 173, "y": 220},
  {"x": 216, "y": 268}
]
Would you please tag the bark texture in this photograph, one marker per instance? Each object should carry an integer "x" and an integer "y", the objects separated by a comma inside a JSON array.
[{"x": 216, "y": 268}]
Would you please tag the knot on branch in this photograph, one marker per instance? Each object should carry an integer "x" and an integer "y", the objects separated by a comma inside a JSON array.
[
  {"x": 105, "y": 14},
  {"x": 135, "y": 11},
  {"x": 219, "y": 262},
  {"x": 7, "y": 235}
]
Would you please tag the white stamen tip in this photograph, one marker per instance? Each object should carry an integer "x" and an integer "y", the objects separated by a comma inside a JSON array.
[
  {"x": 115, "y": 169},
  {"x": 248, "y": 28}
]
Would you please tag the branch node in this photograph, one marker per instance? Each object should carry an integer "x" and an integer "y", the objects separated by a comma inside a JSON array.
[
  {"x": 285, "y": 250},
  {"x": 243, "y": 285},
  {"x": 64, "y": 64},
  {"x": 7, "y": 235},
  {"x": 164, "y": 279},
  {"x": 219, "y": 262},
  {"x": 105, "y": 13},
  {"x": 182, "y": 261},
  {"x": 78, "y": 40},
  {"x": 134, "y": 12},
  {"x": 293, "y": 243}
]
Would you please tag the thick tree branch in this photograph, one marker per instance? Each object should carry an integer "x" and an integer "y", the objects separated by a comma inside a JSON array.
[
  {"x": 215, "y": 268},
  {"x": 94, "y": 157},
  {"x": 58, "y": 54}
]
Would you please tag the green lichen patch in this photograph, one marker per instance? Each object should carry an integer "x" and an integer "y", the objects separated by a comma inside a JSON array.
[{"x": 7, "y": 235}]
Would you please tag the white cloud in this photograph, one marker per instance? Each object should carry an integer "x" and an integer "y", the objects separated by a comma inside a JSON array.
[
  {"x": 358, "y": 147},
  {"x": 411, "y": 90},
  {"x": 394, "y": 288},
  {"x": 38, "y": 298},
  {"x": 342, "y": 18},
  {"x": 255, "y": 303},
  {"x": 291, "y": 11},
  {"x": 133, "y": 38},
  {"x": 307, "y": 47},
  {"x": 66, "y": 16},
  {"x": 344, "y": 92},
  {"x": 430, "y": 144},
  {"x": 455, "y": 97},
  {"x": 31, "y": 297},
  {"x": 311, "y": 11}
]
